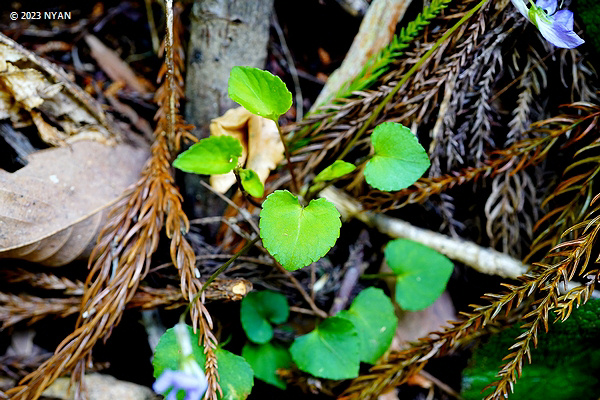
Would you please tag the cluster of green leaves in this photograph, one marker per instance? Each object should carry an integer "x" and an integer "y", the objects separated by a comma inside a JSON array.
[
  {"x": 333, "y": 350},
  {"x": 380, "y": 63},
  {"x": 258, "y": 311},
  {"x": 566, "y": 362},
  {"x": 296, "y": 234}
]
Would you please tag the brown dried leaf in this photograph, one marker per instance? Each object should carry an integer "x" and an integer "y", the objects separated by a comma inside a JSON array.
[
  {"x": 52, "y": 208},
  {"x": 417, "y": 324},
  {"x": 114, "y": 66},
  {"x": 26, "y": 85},
  {"x": 260, "y": 140},
  {"x": 25, "y": 90},
  {"x": 5, "y": 104}
]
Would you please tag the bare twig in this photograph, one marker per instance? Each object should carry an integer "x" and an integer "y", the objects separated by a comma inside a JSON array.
[
  {"x": 485, "y": 260},
  {"x": 302, "y": 291},
  {"x": 243, "y": 212},
  {"x": 291, "y": 66},
  {"x": 356, "y": 266}
]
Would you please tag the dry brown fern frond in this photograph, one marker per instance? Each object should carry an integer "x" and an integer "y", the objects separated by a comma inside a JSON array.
[
  {"x": 122, "y": 258},
  {"x": 518, "y": 156},
  {"x": 40, "y": 280},
  {"x": 578, "y": 295},
  {"x": 571, "y": 198},
  {"x": 123, "y": 253},
  {"x": 465, "y": 122},
  {"x": 505, "y": 208},
  {"x": 16, "y": 308},
  {"x": 542, "y": 282},
  {"x": 24, "y": 307},
  {"x": 574, "y": 257}
]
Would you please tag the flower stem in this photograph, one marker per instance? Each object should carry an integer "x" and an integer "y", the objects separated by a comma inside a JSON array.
[
  {"x": 218, "y": 272},
  {"x": 405, "y": 78}
]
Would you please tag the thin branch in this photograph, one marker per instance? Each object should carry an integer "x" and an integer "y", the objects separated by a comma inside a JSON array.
[
  {"x": 291, "y": 66},
  {"x": 485, "y": 260}
]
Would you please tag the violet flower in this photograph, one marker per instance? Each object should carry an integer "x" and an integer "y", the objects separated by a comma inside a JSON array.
[
  {"x": 190, "y": 378},
  {"x": 555, "y": 26},
  {"x": 193, "y": 385}
]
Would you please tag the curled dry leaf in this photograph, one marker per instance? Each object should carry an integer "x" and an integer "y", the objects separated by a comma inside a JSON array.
[
  {"x": 29, "y": 96},
  {"x": 262, "y": 147},
  {"x": 51, "y": 209}
]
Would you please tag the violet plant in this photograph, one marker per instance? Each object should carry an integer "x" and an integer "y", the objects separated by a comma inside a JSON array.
[
  {"x": 296, "y": 229},
  {"x": 556, "y": 26},
  {"x": 189, "y": 378}
]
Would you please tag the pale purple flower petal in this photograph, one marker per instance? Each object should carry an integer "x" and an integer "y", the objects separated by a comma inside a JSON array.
[
  {"x": 548, "y": 5},
  {"x": 164, "y": 381},
  {"x": 193, "y": 385},
  {"x": 565, "y": 19},
  {"x": 560, "y": 31},
  {"x": 521, "y": 6}
]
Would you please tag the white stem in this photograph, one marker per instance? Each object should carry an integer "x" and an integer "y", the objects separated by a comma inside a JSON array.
[{"x": 482, "y": 259}]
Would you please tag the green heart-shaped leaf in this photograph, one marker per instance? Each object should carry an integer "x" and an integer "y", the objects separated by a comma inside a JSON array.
[
  {"x": 337, "y": 169},
  {"x": 297, "y": 236},
  {"x": 265, "y": 360},
  {"x": 258, "y": 309},
  {"x": 372, "y": 313},
  {"x": 236, "y": 374},
  {"x": 422, "y": 273},
  {"x": 399, "y": 159},
  {"x": 211, "y": 156},
  {"x": 259, "y": 92},
  {"x": 251, "y": 183},
  {"x": 331, "y": 351}
]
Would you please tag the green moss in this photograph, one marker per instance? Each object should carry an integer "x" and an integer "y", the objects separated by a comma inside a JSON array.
[
  {"x": 566, "y": 363},
  {"x": 588, "y": 11}
]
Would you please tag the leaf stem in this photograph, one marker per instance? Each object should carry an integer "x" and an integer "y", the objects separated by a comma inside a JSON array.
[
  {"x": 405, "y": 78},
  {"x": 288, "y": 158},
  {"x": 218, "y": 272}
]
